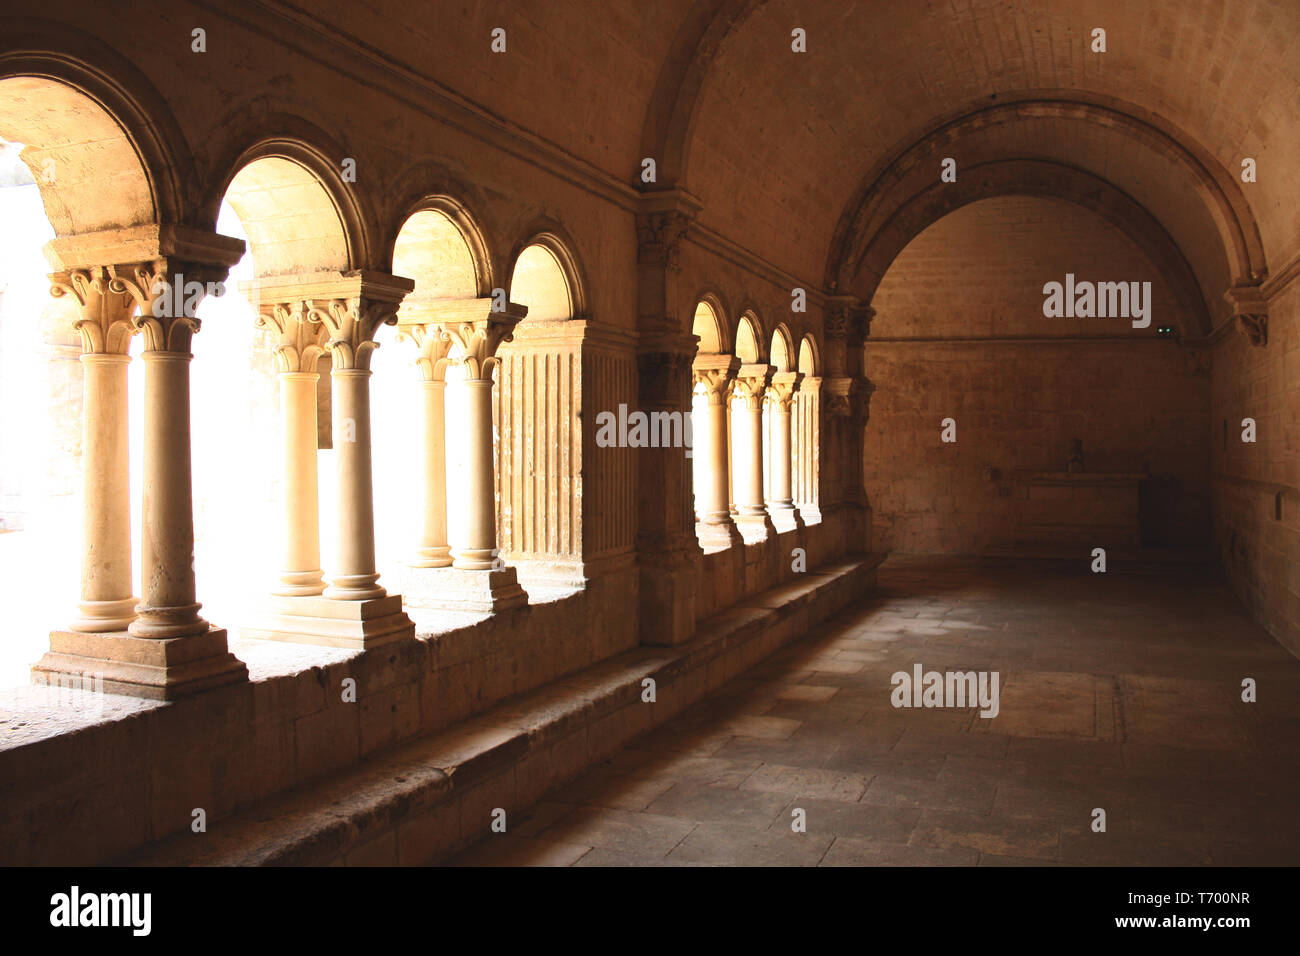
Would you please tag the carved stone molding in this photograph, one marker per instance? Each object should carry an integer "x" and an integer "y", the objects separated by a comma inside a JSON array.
[
  {"x": 751, "y": 383},
  {"x": 662, "y": 221},
  {"x": 784, "y": 387},
  {"x": 717, "y": 373},
  {"x": 1254, "y": 326},
  {"x": 433, "y": 346},
  {"x": 299, "y": 340},
  {"x": 104, "y": 314},
  {"x": 1249, "y": 313},
  {"x": 850, "y": 398},
  {"x": 848, "y": 318}
]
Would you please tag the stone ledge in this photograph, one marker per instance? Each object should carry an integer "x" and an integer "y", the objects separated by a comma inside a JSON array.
[{"x": 423, "y": 800}]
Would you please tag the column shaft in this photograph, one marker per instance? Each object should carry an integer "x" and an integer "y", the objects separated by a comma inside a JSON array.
[
  {"x": 300, "y": 573},
  {"x": 752, "y": 502},
  {"x": 478, "y": 551},
  {"x": 781, "y": 458},
  {"x": 433, "y": 551},
  {"x": 106, "y": 600},
  {"x": 356, "y": 576},
  {"x": 168, "y": 606},
  {"x": 719, "y": 504}
]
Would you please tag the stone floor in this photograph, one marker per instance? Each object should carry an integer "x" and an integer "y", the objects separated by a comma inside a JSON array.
[{"x": 1118, "y": 691}]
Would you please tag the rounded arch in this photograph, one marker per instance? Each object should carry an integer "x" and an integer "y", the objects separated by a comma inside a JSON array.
[
  {"x": 538, "y": 281},
  {"x": 709, "y": 325},
  {"x": 460, "y": 239},
  {"x": 292, "y": 140},
  {"x": 809, "y": 356},
  {"x": 914, "y": 215},
  {"x": 781, "y": 354},
  {"x": 558, "y": 261},
  {"x": 671, "y": 112},
  {"x": 1237, "y": 257},
  {"x": 749, "y": 338},
  {"x": 95, "y": 116},
  {"x": 432, "y": 249}
]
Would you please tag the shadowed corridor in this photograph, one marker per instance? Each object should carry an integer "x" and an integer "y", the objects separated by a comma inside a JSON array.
[{"x": 1118, "y": 691}]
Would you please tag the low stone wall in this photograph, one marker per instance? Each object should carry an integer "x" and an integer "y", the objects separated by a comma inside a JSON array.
[{"x": 418, "y": 803}]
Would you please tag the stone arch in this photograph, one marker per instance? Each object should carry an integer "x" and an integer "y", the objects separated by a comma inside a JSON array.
[
  {"x": 809, "y": 356},
  {"x": 75, "y": 144},
  {"x": 450, "y": 237},
  {"x": 538, "y": 281},
  {"x": 709, "y": 325},
  {"x": 670, "y": 114},
  {"x": 781, "y": 353},
  {"x": 433, "y": 248},
  {"x": 294, "y": 155},
  {"x": 907, "y": 172},
  {"x": 553, "y": 276},
  {"x": 1029, "y": 178},
  {"x": 749, "y": 338}
]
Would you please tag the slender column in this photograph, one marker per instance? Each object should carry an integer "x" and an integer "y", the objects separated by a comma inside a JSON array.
[
  {"x": 783, "y": 390},
  {"x": 433, "y": 550},
  {"x": 752, "y": 382},
  {"x": 106, "y": 604},
  {"x": 478, "y": 550},
  {"x": 298, "y": 348},
  {"x": 338, "y": 312},
  {"x": 351, "y": 324},
  {"x": 717, "y": 374},
  {"x": 478, "y": 341},
  {"x": 355, "y": 578},
  {"x": 168, "y": 607},
  {"x": 168, "y": 650}
]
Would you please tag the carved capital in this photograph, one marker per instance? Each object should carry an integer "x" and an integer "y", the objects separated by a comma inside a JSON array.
[
  {"x": 1249, "y": 313},
  {"x": 350, "y": 325},
  {"x": 167, "y": 292},
  {"x": 299, "y": 340},
  {"x": 783, "y": 388},
  {"x": 849, "y": 319},
  {"x": 751, "y": 384},
  {"x": 433, "y": 345},
  {"x": 715, "y": 374},
  {"x": 850, "y": 398},
  {"x": 659, "y": 236},
  {"x": 104, "y": 314},
  {"x": 478, "y": 341},
  {"x": 662, "y": 221},
  {"x": 1254, "y": 326}
]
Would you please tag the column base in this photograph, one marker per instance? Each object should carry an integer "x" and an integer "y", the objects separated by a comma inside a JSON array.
[
  {"x": 153, "y": 668},
  {"x": 456, "y": 589},
  {"x": 786, "y": 518},
  {"x": 718, "y": 534},
  {"x": 332, "y": 623},
  {"x": 755, "y": 528}
]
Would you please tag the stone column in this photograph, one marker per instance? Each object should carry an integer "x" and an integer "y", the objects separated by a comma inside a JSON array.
[
  {"x": 433, "y": 343},
  {"x": 298, "y": 347},
  {"x": 668, "y": 549},
  {"x": 351, "y": 324},
  {"x": 716, "y": 373},
  {"x": 782, "y": 393},
  {"x": 476, "y": 580},
  {"x": 751, "y": 383},
  {"x": 338, "y": 312},
  {"x": 169, "y": 606},
  {"x": 167, "y": 650},
  {"x": 105, "y": 325}
]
